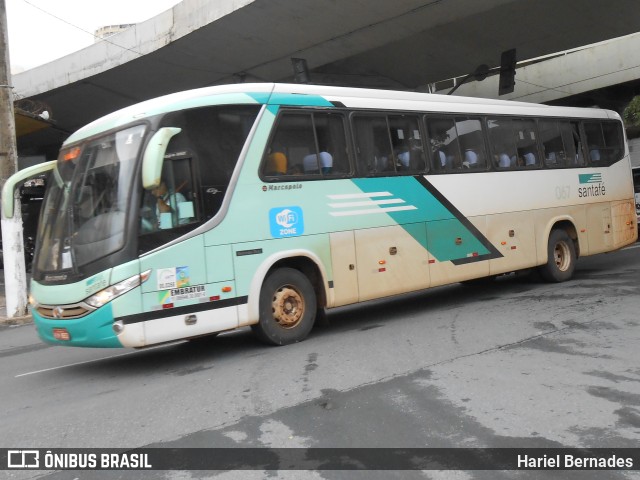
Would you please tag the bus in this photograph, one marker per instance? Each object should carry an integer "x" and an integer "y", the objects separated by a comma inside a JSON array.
[{"x": 265, "y": 205}]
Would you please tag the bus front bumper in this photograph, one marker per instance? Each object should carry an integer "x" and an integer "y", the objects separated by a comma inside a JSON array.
[{"x": 93, "y": 330}]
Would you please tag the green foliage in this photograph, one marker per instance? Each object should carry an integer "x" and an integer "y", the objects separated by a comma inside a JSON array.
[{"x": 631, "y": 114}]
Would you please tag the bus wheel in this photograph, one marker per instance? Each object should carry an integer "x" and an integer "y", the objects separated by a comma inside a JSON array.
[
  {"x": 287, "y": 308},
  {"x": 561, "y": 261}
]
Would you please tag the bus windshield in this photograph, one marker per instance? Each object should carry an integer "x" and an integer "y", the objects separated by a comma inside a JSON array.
[{"x": 85, "y": 210}]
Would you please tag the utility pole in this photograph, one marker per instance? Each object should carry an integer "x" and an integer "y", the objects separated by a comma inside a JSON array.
[{"x": 15, "y": 276}]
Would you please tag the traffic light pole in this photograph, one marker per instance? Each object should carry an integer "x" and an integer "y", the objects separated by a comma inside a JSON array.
[{"x": 15, "y": 277}]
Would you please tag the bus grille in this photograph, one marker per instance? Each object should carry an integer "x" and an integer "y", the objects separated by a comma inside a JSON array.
[{"x": 63, "y": 312}]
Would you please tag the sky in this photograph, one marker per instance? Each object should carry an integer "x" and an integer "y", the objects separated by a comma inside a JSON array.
[{"x": 41, "y": 31}]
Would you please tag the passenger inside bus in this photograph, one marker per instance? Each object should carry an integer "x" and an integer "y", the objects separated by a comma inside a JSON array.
[
  {"x": 311, "y": 164},
  {"x": 276, "y": 164}
]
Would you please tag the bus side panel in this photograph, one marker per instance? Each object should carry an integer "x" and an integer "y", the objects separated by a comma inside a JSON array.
[
  {"x": 513, "y": 234},
  {"x": 599, "y": 227},
  {"x": 625, "y": 230},
  {"x": 449, "y": 241},
  {"x": 391, "y": 260},
  {"x": 188, "y": 293},
  {"x": 253, "y": 260},
  {"x": 345, "y": 274},
  {"x": 183, "y": 325},
  {"x": 545, "y": 219}
]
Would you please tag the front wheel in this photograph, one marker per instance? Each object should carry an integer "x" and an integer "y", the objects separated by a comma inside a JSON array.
[
  {"x": 287, "y": 308},
  {"x": 561, "y": 258}
]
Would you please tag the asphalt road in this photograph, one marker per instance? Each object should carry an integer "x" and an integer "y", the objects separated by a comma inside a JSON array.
[{"x": 515, "y": 363}]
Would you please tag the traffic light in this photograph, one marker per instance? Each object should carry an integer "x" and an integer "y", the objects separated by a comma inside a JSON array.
[
  {"x": 300, "y": 70},
  {"x": 507, "y": 72}
]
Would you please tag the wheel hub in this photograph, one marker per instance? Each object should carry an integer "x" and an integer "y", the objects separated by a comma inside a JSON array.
[
  {"x": 288, "y": 307},
  {"x": 562, "y": 256}
]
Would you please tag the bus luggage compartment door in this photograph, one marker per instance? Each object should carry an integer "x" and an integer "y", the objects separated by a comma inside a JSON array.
[{"x": 391, "y": 260}]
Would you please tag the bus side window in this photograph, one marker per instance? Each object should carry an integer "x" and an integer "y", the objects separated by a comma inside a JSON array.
[
  {"x": 604, "y": 142},
  {"x": 373, "y": 145},
  {"x": 552, "y": 144},
  {"x": 311, "y": 144},
  {"x": 526, "y": 143},
  {"x": 407, "y": 143},
  {"x": 577, "y": 143},
  {"x": 332, "y": 143},
  {"x": 572, "y": 149},
  {"x": 443, "y": 140},
  {"x": 502, "y": 143},
  {"x": 469, "y": 131},
  {"x": 171, "y": 204},
  {"x": 290, "y": 147}
]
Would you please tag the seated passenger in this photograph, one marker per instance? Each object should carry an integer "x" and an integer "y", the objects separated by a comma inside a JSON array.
[
  {"x": 404, "y": 160},
  {"x": 529, "y": 159},
  {"x": 326, "y": 163},
  {"x": 470, "y": 158},
  {"x": 594, "y": 154},
  {"x": 504, "y": 161},
  {"x": 276, "y": 164},
  {"x": 310, "y": 163}
]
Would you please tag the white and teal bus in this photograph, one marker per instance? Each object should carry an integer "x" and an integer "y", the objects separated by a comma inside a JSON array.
[{"x": 263, "y": 205}]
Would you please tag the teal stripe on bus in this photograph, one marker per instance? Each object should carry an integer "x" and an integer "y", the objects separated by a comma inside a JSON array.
[
  {"x": 291, "y": 99},
  {"x": 417, "y": 204}
]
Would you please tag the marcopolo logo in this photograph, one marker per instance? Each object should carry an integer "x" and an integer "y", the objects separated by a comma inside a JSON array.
[
  {"x": 591, "y": 185},
  {"x": 286, "y": 222}
]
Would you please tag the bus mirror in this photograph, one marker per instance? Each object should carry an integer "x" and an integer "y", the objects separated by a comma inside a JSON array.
[
  {"x": 18, "y": 179},
  {"x": 154, "y": 156}
]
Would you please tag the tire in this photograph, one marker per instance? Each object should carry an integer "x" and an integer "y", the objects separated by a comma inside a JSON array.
[
  {"x": 561, "y": 258},
  {"x": 287, "y": 308}
]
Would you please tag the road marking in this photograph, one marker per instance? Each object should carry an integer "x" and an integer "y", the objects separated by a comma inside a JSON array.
[
  {"x": 88, "y": 361},
  {"x": 637, "y": 245},
  {"x": 112, "y": 356}
]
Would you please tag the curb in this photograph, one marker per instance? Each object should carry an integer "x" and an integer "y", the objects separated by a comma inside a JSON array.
[{"x": 15, "y": 321}]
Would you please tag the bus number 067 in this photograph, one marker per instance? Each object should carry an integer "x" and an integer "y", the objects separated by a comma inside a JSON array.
[{"x": 563, "y": 192}]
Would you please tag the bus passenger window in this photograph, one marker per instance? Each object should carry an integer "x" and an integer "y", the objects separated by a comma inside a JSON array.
[
  {"x": 552, "y": 144},
  {"x": 332, "y": 143},
  {"x": 307, "y": 144},
  {"x": 292, "y": 143},
  {"x": 469, "y": 131},
  {"x": 443, "y": 141},
  {"x": 408, "y": 152},
  {"x": 526, "y": 143},
  {"x": 572, "y": 146},
  {"x": 502, "y": 143},
  {"x": 604, "y": 142},
  {"x": 373, "y": 145},
  {"x": 571, "y": 138}
]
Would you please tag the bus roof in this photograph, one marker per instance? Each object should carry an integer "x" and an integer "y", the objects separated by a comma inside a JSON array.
[{"x": 325, "y": 96}]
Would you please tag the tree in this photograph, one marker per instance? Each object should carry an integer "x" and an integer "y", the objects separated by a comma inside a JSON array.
[{"x": 631, "y": 113}]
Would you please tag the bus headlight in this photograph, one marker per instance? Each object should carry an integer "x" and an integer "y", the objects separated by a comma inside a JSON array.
[{"x": 114, "y": 291}]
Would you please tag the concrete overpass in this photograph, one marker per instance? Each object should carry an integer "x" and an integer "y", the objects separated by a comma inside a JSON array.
[{"x": 404, "y": 44}]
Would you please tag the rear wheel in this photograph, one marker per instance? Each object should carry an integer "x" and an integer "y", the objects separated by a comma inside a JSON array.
[
  {"x": 287, "y": 308},
  {"x": 561, "y": 257}
]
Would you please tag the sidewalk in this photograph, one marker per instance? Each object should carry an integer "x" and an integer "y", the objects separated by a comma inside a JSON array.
[{"x": 3, "y": 309}]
